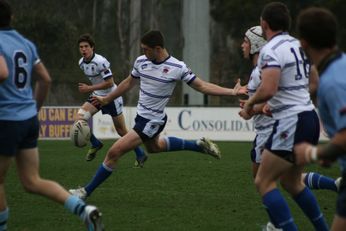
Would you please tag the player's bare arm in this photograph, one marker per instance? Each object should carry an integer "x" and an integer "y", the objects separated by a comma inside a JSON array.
[
  {"x": 213, "y": 89},
  {"x": 3, "y": 69},
  {"x": 122, "y": 88},
  {"x": 42, "y": 84},
  {"x": 85, "y": 88}
]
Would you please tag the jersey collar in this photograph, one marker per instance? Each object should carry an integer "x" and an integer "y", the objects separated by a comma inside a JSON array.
[
  {"x": 158, "y": 63},
  {"x": 92, "y": 57},
  {"x": 328, "y": 60}
]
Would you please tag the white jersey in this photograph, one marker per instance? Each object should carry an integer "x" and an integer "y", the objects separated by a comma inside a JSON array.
[
  {"x": 261, "y": 122},
  {"x": 157, "y": 82},
  {"x": 97, "y": 70},
  {"x": 284, "y": 51}
]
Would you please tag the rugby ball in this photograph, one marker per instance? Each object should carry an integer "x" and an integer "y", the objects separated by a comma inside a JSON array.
[{"x": 80, "y": 133}]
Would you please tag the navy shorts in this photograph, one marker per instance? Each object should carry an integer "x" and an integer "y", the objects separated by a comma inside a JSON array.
[
  {"x": 149, "y": 129},
  {"x": 17, "y": 135},
  {"x": 292, "y": 130},
  {"x": 113, "y": 109}
]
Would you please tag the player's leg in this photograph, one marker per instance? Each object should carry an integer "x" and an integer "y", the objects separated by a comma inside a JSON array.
[
  {"x": 27, "y": 166},
  {"x": 85, "y": 113},
  {"x": 270, "y": 170},
  {"x": 119, "y": 148},
  {"x": 4, "y": 211},
  {"x": 171, "y": 144},
  {"x": 291, "y": 182},
  {"x": 314, "y": 180},
  {"x": 120, "y": 126},
  {"x": 304, "y": 127},
  {"x": 339, "y": 221}
]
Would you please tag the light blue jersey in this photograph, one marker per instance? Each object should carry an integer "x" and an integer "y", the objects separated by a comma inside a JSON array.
[
  {"x": 332, "y": 97},
  {"x": 16, "y": 96}
]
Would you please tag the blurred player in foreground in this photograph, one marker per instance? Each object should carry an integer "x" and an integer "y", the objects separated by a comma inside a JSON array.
[
  {"x": 19, "y": 124},
  {"x": 157, "y": 72},
  {"x": 251, "y": 46},
  {"x": 284, "y": 86},
  {"x": 317, "y": 30},
  {"x": 97, "y": 69}
]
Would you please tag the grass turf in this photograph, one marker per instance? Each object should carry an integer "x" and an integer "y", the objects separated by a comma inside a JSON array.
[{"x": 174, "y": 191}]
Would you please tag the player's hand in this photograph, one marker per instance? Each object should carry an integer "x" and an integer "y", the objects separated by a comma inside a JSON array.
[
  {"x": 98, "y": 100},
  {"x": 244, "y": 115},
  {"x": 242, "y": 103},
  {"x": 84, "y": 88},
  {"x": 266, "y": 110},
  {"x": 248, "y": 107},
  {"x": 239, "y": 89}
]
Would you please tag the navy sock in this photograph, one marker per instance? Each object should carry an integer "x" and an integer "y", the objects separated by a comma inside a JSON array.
[
  {"x": 94, "y": 141},
  {"x": 278, "y": 210},
  {"x": 316, "y": 181},
  {"x": 177, "y": 144},
  {"x": 102, "y": 173},
  {"x": 139, "y": 152},
  {"x": 307, "y": 202}
]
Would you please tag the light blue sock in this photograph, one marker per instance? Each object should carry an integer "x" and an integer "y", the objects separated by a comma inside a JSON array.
[
  {"x": 75, "y": 205},
  {"x": 314, "y": 180},
  {"x": 139, "y": 152},
  {"x": 307, "y": 202},
  {"x": 278, "y": 210},
  {"x": 94, "y": 141},
  {"x": 177, "y": 144},
  {"x": 3, "y": 219},
  {"x": 102, "y": 173}
]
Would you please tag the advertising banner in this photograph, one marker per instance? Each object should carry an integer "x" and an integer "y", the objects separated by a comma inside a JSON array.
[{"x": 55, "y": 122}]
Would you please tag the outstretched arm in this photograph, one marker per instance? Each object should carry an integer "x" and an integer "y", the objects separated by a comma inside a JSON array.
[
  {"x": 213, "y": 89},
  {"x": 122, "y": 88}
]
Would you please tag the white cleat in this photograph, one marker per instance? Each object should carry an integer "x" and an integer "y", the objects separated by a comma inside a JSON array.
[
  {"x": 337, "y": 183},
  {"x": 92, "y": 218},
  {"x": 271, "y": 227},
  {"x": 209, "y": 147},
  {"x": 79, "y": 192}
]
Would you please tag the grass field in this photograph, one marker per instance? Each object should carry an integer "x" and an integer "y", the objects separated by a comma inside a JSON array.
[{"x": 174, "y": 191}]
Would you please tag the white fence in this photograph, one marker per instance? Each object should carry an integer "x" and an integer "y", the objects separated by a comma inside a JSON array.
[{"x": 216, "y": 123}]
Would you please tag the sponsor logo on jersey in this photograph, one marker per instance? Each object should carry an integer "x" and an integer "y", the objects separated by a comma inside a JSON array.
[{"x": 165, "y": 70}]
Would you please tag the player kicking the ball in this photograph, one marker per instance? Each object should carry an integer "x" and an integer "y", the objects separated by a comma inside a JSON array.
[
  {"x": 98, "y": 71},
  {"x": 157, "y": 73}
]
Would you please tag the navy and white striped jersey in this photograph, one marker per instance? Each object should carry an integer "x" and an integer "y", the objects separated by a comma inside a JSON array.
[
  {"x": 261, "y": 121},
  {"x": 284, "y": 51},
  {"x": 97, "y": 70},
  {"x": 16, "y": 96},
  {"x": 157, "y": 82}
]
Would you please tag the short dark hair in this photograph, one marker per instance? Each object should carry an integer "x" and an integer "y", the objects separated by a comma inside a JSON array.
[
  {"x": 86, "y": 38},
  {"x": 5, "y": 14},
  {"x": 277, "y": 15},
  {"x": 153, "y": 38},
  {"x": 318, "y": 27}
]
